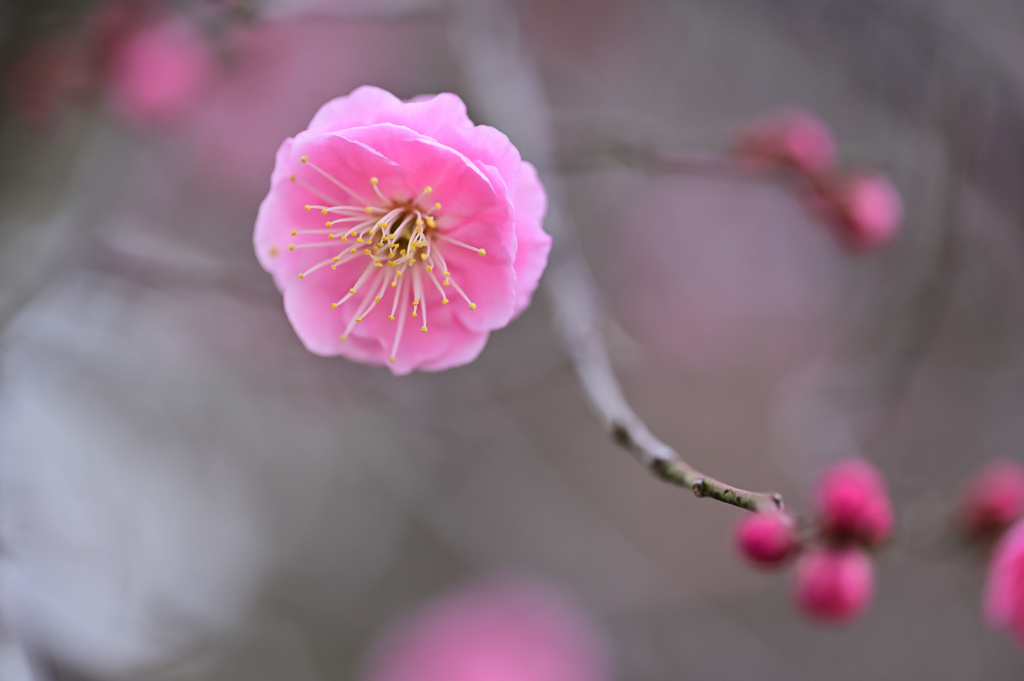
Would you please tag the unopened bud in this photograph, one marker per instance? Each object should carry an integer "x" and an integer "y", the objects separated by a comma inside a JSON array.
[
  {"x": 834, "y": 585},
  {"x": 993, "y": 499},
  {"x": 766, "y": 539},
  {"x": 853, "y": 503},
  {"x": 798, "y": 139}
]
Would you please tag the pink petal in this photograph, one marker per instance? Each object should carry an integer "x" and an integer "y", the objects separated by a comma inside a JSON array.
[{"x": 534, "y": 243}]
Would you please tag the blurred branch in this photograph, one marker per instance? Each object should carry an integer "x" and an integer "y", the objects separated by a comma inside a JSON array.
[{"x": 509, "y": 94}]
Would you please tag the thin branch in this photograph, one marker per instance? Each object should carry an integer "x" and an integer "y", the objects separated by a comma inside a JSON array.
[{"x": 508, "y": 92}]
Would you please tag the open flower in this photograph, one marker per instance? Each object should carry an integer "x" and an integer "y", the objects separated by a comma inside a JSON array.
[{"x": 400, "y": 233}]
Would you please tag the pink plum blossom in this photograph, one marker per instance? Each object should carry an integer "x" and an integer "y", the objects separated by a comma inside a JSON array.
[
  {"x": 853, "y": 502},
  {"x": 1004, "y": 590},
  {"x": 994, "y": 498},
  {"x": 499, "y": 631},
  {"x": 796, "y": 138},
  {"x": 400, "y": 233},
  {"x": 766, "y": 539},
  {"x": 834, "y": 584},
  {"x": 159, "y": 72}
]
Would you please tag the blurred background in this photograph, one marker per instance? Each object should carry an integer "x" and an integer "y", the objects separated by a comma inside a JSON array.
[{"x": 187, "y": 494}]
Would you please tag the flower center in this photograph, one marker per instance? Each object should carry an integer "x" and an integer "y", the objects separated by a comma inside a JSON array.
[{"x": 400, "y": 243}]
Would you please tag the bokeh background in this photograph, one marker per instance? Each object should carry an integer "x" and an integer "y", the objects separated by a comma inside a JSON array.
[{"x": 187, "y": 494}]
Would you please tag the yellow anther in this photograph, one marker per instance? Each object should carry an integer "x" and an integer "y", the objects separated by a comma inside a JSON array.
[
  {"x": 414, "y": 313},
  {"x": 374, "y": 180},
  {"x": 291, "y": 247},
  {"x": 351, "y": 290},
  {"x": 295, "y": 232},
  {"x": 391, "y": 359},
  {"x": 399, "y": 272},
  {"x": 428, "y": 189},
  {"x": 423, "y": 328},
  {"x": 472, "y": 306},
  {"x": 415, "y": 303},
  {"x": 401, "y": 252},
  {"x": 377, "y": 264},
  {"x": 444, "y": 301},
  {"x": 323, "y": 211},
  {"x": 273, "y": 251},
  {"x": 376, "y": 299},
  {"x": 431, "y": 222},
  {"x": 302, "y": 275},
  {"x": 446, "y": 282},
  {"x": 481, "y": 251},
  {"x": 337, "y": 259},
  {"x": 360, "y": 240},
  {"x": 344, "y": 238},
  {"x": 334, "y": 306},
  {"x": 354, "y": 250},
  {"x": 382, "y": 224},
  {"x": 392, "y": 284},
  {"x": 447, "y": 273},
  {"x": 437, "y": 206},
  {"x": 343, "y": 338},
  {"x": 423, "y": 256},
  {"x": 334, "y": 267},
  {"x": 419, "y": 222},
  {"x": 430, "y": 268},
  {"x": 391, "y": 317},
  {"x": 369, "y": 209},
  {"x": 292, "y": 178},
  {"x": 304, "y": 159},
  {"x": 308, "y": 208},
  {"x": 327, "y": 224},
  {"x": 366, "y": 251},
  {"x": 359, "y": 319}
]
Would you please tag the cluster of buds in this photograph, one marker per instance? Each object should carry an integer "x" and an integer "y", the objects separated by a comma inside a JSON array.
[
  {"x": 862, "y": 208},
  {"x": 151, "y": 65},
  {"x": 834, "y": 574}
]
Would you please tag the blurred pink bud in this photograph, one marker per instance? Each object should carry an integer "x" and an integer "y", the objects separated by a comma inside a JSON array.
[
  {"x": 834, "y": 585},
  {"x": 499, "y": 631},
  {"x": 766, "y": 539},
  {"x": 795, "y": 138},
  {"x": 1004, "y": 591},
  {"x": 159, "y": 72},
  {"x": 868, "y": 209},
  {"x": 853, "y": 502},
  {"x": 994, "y": 498}
]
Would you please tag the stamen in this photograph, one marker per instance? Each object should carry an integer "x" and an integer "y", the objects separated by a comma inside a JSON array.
[
  {"x": 374, "y": 181},
  {"x": 398, "y": 331},
  {"x": 445, "y": 237},
  {"x": 334, "y": 180},
  {"x": 472, "y": 305}
]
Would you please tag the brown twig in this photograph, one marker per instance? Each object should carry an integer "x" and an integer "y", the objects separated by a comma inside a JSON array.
[{"x": 508, "y": 92}]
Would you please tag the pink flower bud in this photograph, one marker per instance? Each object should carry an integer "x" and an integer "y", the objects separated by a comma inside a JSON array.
[
  {"x": 994, "y": 498},
  {"x": 853, "y": 502},
  {"x": 493, "y": 631},
  {"x": 868, "y": 210},
  {"x": 766, "y": 539},
  {"x": 795, "y": 138},
  {"x": 834, "y": 585},
  {"x": 1004, "y": 590},
  {"x": 159, "y": 72}
]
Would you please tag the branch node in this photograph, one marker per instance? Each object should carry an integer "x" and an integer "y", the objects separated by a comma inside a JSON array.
[
  {"x": 698, "y": 488},
  {"x": 621, "y": 435}
]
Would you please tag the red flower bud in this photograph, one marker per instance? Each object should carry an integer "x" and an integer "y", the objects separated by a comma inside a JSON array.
[
  {"x": 834, "y": 585},
  {"x": 766, "y": 539}
]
